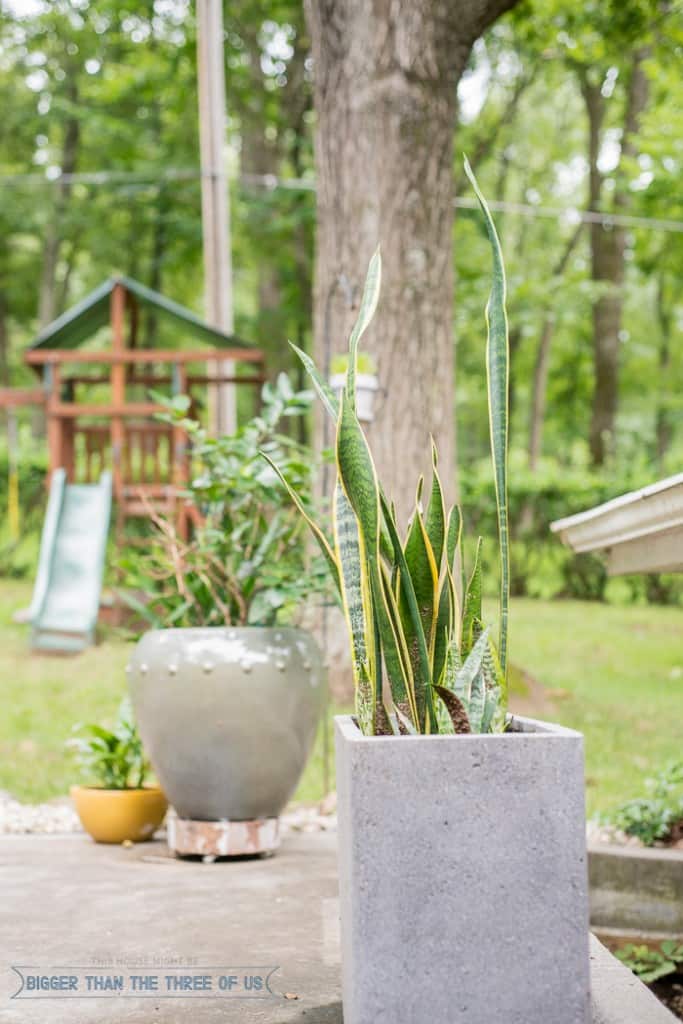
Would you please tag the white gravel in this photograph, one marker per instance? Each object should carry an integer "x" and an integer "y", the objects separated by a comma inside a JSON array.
[
  {"x": 56, "y": 816},
  {"x": 59, "y": 816}
]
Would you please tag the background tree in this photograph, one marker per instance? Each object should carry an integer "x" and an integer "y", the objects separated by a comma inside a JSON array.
[
  {"x": 134, "y": 207},
  {"x": 385, "y": 81}
]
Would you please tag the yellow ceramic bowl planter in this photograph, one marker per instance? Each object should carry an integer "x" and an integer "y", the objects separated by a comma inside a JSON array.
[
  {"x": 117, "y": 815},
  {"x": 121, "y": 808}
]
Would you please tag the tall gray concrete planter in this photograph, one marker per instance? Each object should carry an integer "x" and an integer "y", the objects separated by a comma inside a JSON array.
[
  {"x": 462, "y": 866},
  {"x": 228, "y": 716}
]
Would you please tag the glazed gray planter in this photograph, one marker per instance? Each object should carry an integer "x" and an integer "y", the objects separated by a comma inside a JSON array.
[
  {"x": 462, "y": 876},
  {"x": 227, "y": 715}
]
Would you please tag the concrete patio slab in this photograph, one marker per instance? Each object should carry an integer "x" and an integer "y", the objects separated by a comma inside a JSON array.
[
  {"x": 66, "y": 901},
  {"x": 69, "y": 908}
]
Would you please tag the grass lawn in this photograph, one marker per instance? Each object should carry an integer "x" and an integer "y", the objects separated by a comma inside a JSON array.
[{"x": 614, "y": 673}]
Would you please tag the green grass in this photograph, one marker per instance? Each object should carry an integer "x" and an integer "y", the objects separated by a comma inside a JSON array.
[
  {"x": 43, "y": 697},
  {"x": 614, "y": 673}
]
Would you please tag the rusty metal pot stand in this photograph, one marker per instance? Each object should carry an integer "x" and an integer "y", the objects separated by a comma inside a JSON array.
[{"x": 188, "y": 837}]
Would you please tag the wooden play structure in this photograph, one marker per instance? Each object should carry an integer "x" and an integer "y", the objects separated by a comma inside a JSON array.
[{"x": 99, "y": 414}]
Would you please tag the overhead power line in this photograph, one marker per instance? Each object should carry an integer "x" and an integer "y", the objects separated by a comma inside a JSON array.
[
  {"x": 272, "y": 182},
  {"x": 572, "y": 213}
]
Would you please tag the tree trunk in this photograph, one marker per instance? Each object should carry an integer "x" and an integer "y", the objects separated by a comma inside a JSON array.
[
  {"x": 607, "y": 257},
  {"x": 663, "y": 424},
  {"x": 4, "y": 342},
  {"x": 542, "y": 363},
  {"x": 47, "y": 302},
  {"x": 385, "y": 79}
]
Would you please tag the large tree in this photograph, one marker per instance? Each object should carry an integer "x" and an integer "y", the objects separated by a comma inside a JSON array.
[{"x": 385, "y": 80}]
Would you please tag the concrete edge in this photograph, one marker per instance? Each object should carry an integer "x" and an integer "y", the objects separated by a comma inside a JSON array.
[
  {"x": 618, "y": 996},
  {"x": 642, "y": 853},
  {"x": 636, "y": 889},
  {"x": 519, "y": 725}
]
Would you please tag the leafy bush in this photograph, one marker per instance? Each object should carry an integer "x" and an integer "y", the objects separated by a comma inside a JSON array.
[
  {"x": 114, "y": 757},
  {"x": 652, "y": 964},
  {"x": 541, "y": 566},
  {"x": 18, "y": 558},
  {"x": 652, "y": 818},
  {"x": 247, "y": 562}
]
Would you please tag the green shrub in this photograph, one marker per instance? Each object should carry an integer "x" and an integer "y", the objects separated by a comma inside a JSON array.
[
  {"x": 247, "y": 562},
  {"x": 541, "y": 566},
  {"x": 652, "y": 818},
  {"x": 114, "y": 758},
  {"x": 18, "y": 558},
  {"x": 652, "y": 964}
]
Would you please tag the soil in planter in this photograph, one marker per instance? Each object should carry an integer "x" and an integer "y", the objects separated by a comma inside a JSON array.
[{"x": 669, "y": 990}]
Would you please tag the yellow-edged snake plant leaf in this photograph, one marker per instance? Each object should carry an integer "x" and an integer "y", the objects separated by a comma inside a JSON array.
[
  {"x": 471, "y": 616},
  {"x": 498, "y": 375},
  {"x": 359, "y": 481},
  {"x": 368, "y": 305}
]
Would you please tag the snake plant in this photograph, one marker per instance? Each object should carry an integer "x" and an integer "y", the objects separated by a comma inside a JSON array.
[{"x": 406, "y": 620}]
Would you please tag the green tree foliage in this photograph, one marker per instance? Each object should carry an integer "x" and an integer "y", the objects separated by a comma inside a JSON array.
[{"x": 109, "y": 87}]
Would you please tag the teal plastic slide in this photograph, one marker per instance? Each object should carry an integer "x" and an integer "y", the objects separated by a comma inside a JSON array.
[{"x": 66, "y": 596}]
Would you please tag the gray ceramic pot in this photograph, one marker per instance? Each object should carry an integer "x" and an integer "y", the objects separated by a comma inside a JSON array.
[{"x": 227, "y": 715}]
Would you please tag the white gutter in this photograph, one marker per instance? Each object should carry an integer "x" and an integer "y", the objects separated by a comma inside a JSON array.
[{"x": 641, "y": 531}]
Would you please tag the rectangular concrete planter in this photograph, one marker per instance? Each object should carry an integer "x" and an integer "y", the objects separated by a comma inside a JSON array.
[{"x": 462, "y": 875}]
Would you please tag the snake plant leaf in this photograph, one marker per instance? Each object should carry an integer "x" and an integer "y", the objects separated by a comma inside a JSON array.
[
  {"x": 453, "y": 535},
  {"x": 357, "y": 605},
  {"x": 425, "y": 579},
  {"x": 320, "y": 537},
  {"x": 394, "y": 649},
  {"x": 368, "y": 306},
  {"x": 444, "y": 626},
  {"x": 411, "y": 623},
  {"x": 423, "y": 570},
  {"x": 477, "y": 702},
  {"x": 452, "y": 666},
  {"x": 472, "y": 605},
  {"x": 491, "y": 706},
  {"x": 435, "y": 516},
  {"x": 358, "y": 476},
  {"x": 454, "y": 561},
  {"x": 331, "y": 403},
  {"x": 464, "y": 678},
  {"x": 496, "y": 682},
  {"x": 498, "y": 374},
  {"x": 456, "y": 710},
  {"x": 405, "y": 726},
  {"x": 359, "y": 480},
  {"x": 325, "y": 392}
]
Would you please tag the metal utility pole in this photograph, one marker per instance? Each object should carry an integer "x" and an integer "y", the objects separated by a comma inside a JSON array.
[{"x": 215, "y": 205}]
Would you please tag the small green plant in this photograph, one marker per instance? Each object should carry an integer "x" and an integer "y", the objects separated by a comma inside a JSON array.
[
  {"x": 401, "y": 600},
  {"x": 113, "y": 757},
  {"x": 246, "y": 563},
  {"x": 365, "y": 364},
  {"x": 652, "y": 818},
  {"x": 652, "y": 964}
]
